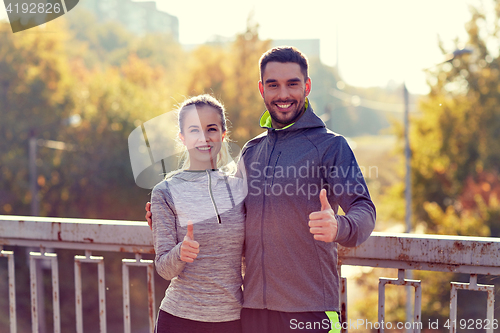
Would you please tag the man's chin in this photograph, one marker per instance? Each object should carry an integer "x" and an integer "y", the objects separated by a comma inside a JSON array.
[
  {"x": 283, "y": 122},
  {"x": 288, "y": 118}
]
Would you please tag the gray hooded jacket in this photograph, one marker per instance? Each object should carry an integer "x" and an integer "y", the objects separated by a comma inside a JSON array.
[
  {"x": 286, "y": 268},
  {"x": 208, "y": 289}
]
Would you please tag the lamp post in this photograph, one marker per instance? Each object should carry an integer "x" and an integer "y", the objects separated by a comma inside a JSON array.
[
  {"x": 73, "y": 121},
  {"x": 32, "y": 168},
  {"x": 35, "y": 201},
  {"x": 407, "y": 161},
  {"x": 409, "y": 274},
  {"x": 408, "y": 193}
]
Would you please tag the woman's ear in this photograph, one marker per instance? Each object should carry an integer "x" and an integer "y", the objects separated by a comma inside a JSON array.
[
  {"x": 223, "y": 135},
  {"x": 182, "y": 138}
]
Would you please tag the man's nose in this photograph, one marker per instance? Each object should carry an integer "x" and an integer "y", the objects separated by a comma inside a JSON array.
[{"x": 283, "y": 93}]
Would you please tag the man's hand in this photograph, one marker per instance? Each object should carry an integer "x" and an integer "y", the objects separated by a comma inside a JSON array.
[
  {"x": 189, "y": 248},
  {"x": 149, "y": 214},
  {"x": 323, "y": 224}
]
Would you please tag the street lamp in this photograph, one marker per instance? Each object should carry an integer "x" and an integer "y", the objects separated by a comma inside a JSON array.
[
  {"x": 448, "y": 58},
  {"x": 73, "y": 121},
  {"x": 408, "y": 195},
  {"x": 456, "y": 54}
]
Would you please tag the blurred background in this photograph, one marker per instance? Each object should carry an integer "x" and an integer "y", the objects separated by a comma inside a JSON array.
[{"x": 72, "y": 90}]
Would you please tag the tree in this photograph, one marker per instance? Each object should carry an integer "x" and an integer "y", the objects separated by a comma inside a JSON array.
[
  {"x": 42, "y": 81},
  {"x": 456, "y": 155},
  {"x": 231, "y": 73},
  {"x": 456, "y": 151},
  {"x": 242, "y": 97},
  {"x": 34, "y": 96}
]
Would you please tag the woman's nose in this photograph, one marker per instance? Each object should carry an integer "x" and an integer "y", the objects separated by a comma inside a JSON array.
[{"x": 202, "y": 137}]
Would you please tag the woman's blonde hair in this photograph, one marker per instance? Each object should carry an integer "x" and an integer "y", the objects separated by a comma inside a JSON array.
[{"x": 224, "y": 160}]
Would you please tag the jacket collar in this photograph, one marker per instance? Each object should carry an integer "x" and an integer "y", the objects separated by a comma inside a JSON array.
[{"x": 195, "y": 175}]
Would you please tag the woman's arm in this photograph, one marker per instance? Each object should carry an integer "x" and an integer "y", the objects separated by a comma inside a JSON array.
[{"x": 167, "y": 248}]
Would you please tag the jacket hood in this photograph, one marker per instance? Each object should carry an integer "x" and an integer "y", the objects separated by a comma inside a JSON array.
[{"x": 307, "y": 120}]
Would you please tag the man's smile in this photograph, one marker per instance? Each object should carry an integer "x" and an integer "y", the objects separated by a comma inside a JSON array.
[{"x": 284, "y": 106}]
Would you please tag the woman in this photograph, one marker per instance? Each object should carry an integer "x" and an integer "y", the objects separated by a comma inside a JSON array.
[{"x": 198, "y": 228}]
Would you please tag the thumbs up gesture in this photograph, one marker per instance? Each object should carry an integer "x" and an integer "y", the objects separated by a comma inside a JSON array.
[
  {"x": 189, "y": 247},
  {"x": 323, "y": 224}
]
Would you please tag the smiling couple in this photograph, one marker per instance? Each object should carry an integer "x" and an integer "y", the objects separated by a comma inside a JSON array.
[{"x": 204, "y": 222}]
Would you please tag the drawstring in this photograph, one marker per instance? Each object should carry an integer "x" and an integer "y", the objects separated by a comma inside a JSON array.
[
  {"x": 229, "y": 191},
  {"x": 212, "y": 196}
]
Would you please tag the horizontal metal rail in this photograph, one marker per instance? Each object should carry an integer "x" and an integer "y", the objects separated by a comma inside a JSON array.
[
  {"x": 78, "y": 234},
  {"x": 472, "y": 255}
]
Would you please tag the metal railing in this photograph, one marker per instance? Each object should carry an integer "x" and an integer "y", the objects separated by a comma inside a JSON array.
[
  {"x": 470, "y": 255},
  {"x": 456, "y": 254}
]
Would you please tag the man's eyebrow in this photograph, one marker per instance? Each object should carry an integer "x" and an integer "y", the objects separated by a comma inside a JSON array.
[
  {"x": 295, "y": 79},
  {"x": 211, "y": 125}
]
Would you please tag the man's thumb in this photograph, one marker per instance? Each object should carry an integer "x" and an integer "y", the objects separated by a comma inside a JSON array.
[
  {"x": 189, "y": 233},
  {"x": 324, "y": 201}
]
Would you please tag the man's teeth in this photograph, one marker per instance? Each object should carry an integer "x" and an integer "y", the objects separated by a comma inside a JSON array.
[{"x": 284, "y": 106}]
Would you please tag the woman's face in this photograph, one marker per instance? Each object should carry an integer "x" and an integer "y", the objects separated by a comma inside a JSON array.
[{"x": 202, "y": 135}]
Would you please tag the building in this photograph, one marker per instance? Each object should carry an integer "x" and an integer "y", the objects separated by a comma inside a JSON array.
[
  {"x": 310, "y": 47},
  {"x": 138, "y": 17}
]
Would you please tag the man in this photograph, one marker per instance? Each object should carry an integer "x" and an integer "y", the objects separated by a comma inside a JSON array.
[{"x": 299, "y": 173}]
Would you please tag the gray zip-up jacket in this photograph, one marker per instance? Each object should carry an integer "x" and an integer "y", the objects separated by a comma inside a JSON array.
[
  {"x": 286, "y": 268},
  {"x": 208, "y": 289}
]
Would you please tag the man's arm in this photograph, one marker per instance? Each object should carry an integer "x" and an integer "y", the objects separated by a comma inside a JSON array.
[{"x": 352, "y": 195}]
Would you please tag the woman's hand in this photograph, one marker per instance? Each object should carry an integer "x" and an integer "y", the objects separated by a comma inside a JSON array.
[
  {"x": 189, "y": 247},
  {"x": 148, "y": 215}
]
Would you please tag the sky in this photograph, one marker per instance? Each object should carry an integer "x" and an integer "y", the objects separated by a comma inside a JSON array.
[{"x": 377, "y": 41}]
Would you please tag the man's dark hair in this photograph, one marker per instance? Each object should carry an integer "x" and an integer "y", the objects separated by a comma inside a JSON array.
[{"x": 284, "y": 54}]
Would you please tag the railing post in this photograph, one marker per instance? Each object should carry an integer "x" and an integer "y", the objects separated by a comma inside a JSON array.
[
  {"x": 12, "y": 289},
  {"x": 381, "y": 304},
  {"x": 416, "y": 326},
  {"x": 78, "y": 290},
  {"x": 126, "y": 298},
  {"x": 343, "y": 305},
  {"x": 126, "y": 290},
  {"x": 35, "y": 312},
  {"x": 472, "y": 285}
]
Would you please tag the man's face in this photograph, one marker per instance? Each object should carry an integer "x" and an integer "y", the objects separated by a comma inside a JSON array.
[{"x": 284, "y": 90}]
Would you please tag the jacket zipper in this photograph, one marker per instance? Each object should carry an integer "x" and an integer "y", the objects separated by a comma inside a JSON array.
[
  {"x": 212, "y": 196},
  {"x": 274, "y": 169},
  {"x": 264, "y": 280}
]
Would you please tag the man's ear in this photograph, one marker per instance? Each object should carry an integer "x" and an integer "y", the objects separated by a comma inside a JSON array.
[
  {"x": 261, "y": 89},
  {"x": 308, "y": 86}
]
